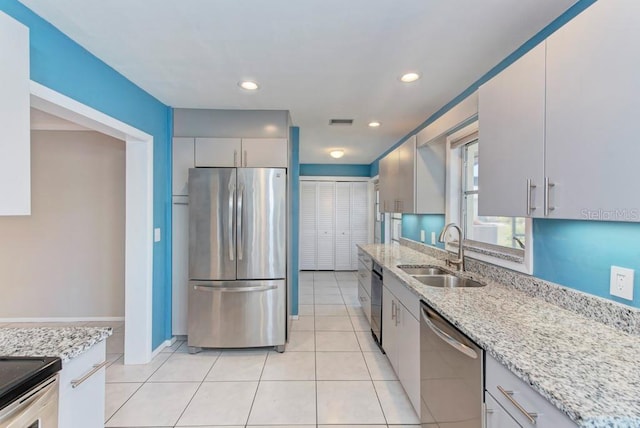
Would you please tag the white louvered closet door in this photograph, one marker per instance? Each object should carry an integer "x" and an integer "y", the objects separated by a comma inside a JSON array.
[
  {"x": 359, "y": 210},
  {"x": 308, "y": 225},
  {"x": 326, "y": 225},
  {"x": 343, "y": 226}
]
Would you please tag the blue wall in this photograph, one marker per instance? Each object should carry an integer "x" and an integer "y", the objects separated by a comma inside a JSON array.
[
  {"x": 579, "y": 254},
  {"x": 334, "y": 170},
  {"x": 294, "y": 138},
  {"x": 412, "y": 224},
  {"x": 64, "y": 66}
]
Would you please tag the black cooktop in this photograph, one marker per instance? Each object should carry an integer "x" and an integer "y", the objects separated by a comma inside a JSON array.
[{"x": 19, "y": 374}]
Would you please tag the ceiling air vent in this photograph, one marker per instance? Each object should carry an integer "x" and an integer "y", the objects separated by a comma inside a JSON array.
[{"x": 347, "y": 122}]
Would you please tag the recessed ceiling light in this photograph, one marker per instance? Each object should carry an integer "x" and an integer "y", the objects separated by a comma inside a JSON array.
[
  {"x": 374, "y": 124},
  {"x": 409, "y": 77},
  {"x": 248, "y": 85},
  {"x": 337, "y": 154}
]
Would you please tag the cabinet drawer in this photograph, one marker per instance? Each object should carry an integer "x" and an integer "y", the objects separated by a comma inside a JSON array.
[
  {"x": 402, "y": 292},
  {"x": 365, "y": 302},
  {"x": 365, "y": 259},
  {"x": 364, "y": 277},
  {"x": 511, "y": 392}
]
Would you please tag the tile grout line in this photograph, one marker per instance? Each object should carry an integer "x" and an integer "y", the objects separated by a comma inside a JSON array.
[
  {"x": 197, "y": 389},
  {"x": 255, "y": 394},
  {"x": 138, "y": 389}
]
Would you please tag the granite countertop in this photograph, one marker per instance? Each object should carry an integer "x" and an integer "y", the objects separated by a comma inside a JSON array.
[
  {"x": 64, "y": 342},
  {"x": 588, "y": 370}
]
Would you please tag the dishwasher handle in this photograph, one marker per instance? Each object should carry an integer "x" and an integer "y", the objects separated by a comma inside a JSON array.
[{"x": 448, "y": 338}]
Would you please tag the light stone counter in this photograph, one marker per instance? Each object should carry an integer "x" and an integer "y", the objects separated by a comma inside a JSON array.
[
  {"x": 64, "y": 342},
  {"x": 588, "y": 370}
]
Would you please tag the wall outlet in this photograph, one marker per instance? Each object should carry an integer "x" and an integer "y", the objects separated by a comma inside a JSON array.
[
  {"x": 156, "y": 234},
  {"x": 433, "y": 238},
  {"x": 422, "y": 235},
  {"x": 621, "y": 283}
]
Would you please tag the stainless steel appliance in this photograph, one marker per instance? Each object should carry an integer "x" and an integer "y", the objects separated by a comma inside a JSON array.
[
  {"x": 376, "y": 303},
  {"x": 29, "y": 392},
  {"x": 451, "y": 372},
  {"x": 237, "y": 257}
]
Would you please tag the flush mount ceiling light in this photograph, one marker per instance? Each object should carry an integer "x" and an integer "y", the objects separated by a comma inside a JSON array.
[
  {"x": 248, "y": 85},
  {"x": 409, "y": 77},
  {"x": 374, "y": 124},
  {"x": 336, "y": 154}
]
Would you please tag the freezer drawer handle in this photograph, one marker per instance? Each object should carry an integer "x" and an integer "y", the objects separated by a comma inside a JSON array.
[
  {"x": 447, "y": 338},
  {"x": 96, "y": 368},
  {"x": 235, "y": 289},
  {"x": 509, "y": 395}
]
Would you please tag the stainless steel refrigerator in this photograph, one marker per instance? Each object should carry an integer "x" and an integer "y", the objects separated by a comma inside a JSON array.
[{"x": 237, "y": 257}]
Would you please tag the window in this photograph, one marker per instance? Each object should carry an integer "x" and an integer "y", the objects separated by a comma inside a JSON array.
[
  {"x": 503, "y": 241},
  {"x": 502, "y": 231}
]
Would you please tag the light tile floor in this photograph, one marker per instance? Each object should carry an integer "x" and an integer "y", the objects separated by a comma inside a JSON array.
[{"x": 331, "y": 373}]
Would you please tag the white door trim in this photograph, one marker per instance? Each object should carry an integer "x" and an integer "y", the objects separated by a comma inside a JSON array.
[{"x": 139, "y": 212}]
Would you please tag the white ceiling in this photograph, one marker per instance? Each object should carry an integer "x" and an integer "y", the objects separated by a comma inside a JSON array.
[{"x": 320, "y": 59}]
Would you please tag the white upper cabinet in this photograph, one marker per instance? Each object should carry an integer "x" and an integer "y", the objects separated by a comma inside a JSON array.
[
  {"x": 264, "y": 152},
  {"x": 241, "y": 152},
  {"x": 183, "y": 159},
  {"x": 15, "y": 145},
  {"x": 593, "y": 89},
  {"x": 431, "y": 178},
  {"x": 511, "y": 134},
  {"x": 556, "y": 139},
  {"x": 397, "y": 178},
  {"x": 218, "y": 152}
]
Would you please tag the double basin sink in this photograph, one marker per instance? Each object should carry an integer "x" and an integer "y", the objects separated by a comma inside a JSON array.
[{"x": 437, "y": 277}]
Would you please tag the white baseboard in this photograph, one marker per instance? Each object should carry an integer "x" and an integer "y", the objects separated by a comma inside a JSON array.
[
  {"x": 163, "y": 345},
  {"x": 62, "y": 319}
]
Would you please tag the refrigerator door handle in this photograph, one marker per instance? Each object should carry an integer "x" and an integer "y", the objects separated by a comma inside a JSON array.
[
  {"x": 235, "y": 289},
  {"x": 240, "y": 215},
  {"x": 232, "y": 238}
]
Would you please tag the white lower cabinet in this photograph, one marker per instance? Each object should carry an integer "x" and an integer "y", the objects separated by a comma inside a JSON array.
[
  {"x": 365, "y": 302},
  {"x": 82, "y": 389},
  {"x": 496, "y": 416},
  {"x": 401, "y": 342},
  {"x": 523, "y": 403}
]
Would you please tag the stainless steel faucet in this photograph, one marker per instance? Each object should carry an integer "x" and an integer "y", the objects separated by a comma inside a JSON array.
[{"x": 459, "y": 262}]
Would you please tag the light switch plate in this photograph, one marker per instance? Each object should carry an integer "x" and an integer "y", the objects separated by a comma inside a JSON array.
[
  {"x": 621, "y": 282},
  {"x": 156, "y": 234},
  {"x": 422, "y": 235}
]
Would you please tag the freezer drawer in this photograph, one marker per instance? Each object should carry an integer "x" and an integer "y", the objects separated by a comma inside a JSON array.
[{"x": 236, "y": 314}]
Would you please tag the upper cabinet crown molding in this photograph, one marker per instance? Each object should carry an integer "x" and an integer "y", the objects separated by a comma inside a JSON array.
[{"x": 15, "y": 146}]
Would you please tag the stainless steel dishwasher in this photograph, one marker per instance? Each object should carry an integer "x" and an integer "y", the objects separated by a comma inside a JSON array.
[{"x": 451, "y": 371}]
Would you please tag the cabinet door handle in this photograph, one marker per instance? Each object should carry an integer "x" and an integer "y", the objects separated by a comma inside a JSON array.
[
  {"x": 397, "y": 314},
  {"x": 509, "y": 395},
  {"x": 245, "y": 158},
  {"x": 547, "y": 190},
  {"x": 393, "y": 310},
  {"x": 96, "y": 368},
  {"x": 530, "y": 187},
  {"x": 235, "y": 158}
]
